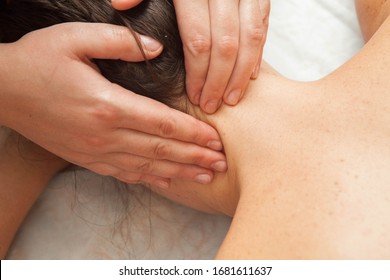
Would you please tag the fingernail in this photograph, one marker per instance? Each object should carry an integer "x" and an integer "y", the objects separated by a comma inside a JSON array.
[
  {"x": 212, "y": 106},
  {"x": 162, "y": 184},
  {"x": 234, "y": 97},
  {"x": 150, "y": 44},
  {"x": 255, "y": 72},
  {"x": 203, "y": 179},
  {"x": 215, "y": 145},
  {"x": 220, "y": 166}
]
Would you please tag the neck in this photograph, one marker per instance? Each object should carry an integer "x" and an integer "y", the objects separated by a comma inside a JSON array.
[{"x": 238, "y": 127}]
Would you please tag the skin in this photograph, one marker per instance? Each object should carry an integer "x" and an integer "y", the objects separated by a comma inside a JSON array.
[
  {"x": 371, "y": 14},
  {"x": 20, "y": 156},
  {"x": 118, "y": 133},
  {"x": 94, "y": 123},
  {"x": 308, "y": 171},
  {"x": 306, "y": 187},
  {"x": 223, "y": 46}
]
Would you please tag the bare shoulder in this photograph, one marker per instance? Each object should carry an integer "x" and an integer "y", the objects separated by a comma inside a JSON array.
[
  {"x": 326, "y": 196},
  {"x": 372, "y": 14},
  {"x": 339, "y": 214}
]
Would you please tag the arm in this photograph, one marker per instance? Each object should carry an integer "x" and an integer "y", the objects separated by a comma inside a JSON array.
[
  {"x": 53, "y": 95},
  {"x": 25, "y": 169}
]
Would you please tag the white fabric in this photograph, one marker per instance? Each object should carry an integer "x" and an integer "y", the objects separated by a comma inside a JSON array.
[
  {"x": 310, "y": 38},
  {"x": 307, "y": 40}
]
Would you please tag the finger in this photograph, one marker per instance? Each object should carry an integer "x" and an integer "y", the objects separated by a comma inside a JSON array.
[
  {"x": 163, "y": 121},
  {"x": 225, "y": 40},
  {"x": 128, "y": 177},
  {"x": 151, "y": 146},
  {"x": 195, "y": 33},
  {"x": 136, "y": 178},
  {"x": 160, "y": 168},
  {"x": 124, "y": 4},
  {"x": 251, "y": 38},
  {"x": 105, "y": 41},
  {"x": 265, "y": 8}
]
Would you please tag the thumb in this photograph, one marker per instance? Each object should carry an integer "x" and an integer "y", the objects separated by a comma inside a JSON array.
[
  {"x": 106, "y": 41},
  {"x": 124, "y": 4}
]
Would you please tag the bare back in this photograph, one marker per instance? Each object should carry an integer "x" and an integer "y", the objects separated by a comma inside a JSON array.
[{"x": 317, "y": 185}]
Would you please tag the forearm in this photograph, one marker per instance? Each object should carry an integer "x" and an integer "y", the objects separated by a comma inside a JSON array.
[{"x": 25, "y": 169}]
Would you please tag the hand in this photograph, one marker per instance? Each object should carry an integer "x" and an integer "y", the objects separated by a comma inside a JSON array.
[
  {"x": 223, "y": 46},
  {"x": 56, "y": 97}
]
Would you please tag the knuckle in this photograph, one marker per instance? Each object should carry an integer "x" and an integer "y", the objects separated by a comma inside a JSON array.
[
  {"x": 118, "y": 35},
  {"x": 228, "y": 46},
  {"x": 167, "y": 127},
  {"x": 198, "y": 45},
  {"x": 256, "y": 35},
  {"x": 95, "y": 143},
  {"x": 198, "y": 158},
  {"x": 162, "y": 151},
  {"x": 132, "y": 178},
  {"x": 140, "y": 179},
  {"x": 111, "y": 33},
  {"x": 105, "y": 112},
  {"x": 197, "y": 134},
  {"x": 145, "y": 167}
]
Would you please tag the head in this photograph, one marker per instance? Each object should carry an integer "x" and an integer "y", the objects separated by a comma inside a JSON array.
[{"x": 162, "y": 79}]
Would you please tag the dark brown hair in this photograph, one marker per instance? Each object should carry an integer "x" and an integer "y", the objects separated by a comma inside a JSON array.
[{"x": 161, "y": 78}]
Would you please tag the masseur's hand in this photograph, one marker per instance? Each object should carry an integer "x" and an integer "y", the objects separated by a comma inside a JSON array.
[
  {"x": 55, "y": 96},
  {"x": 223, "y": 46}
]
